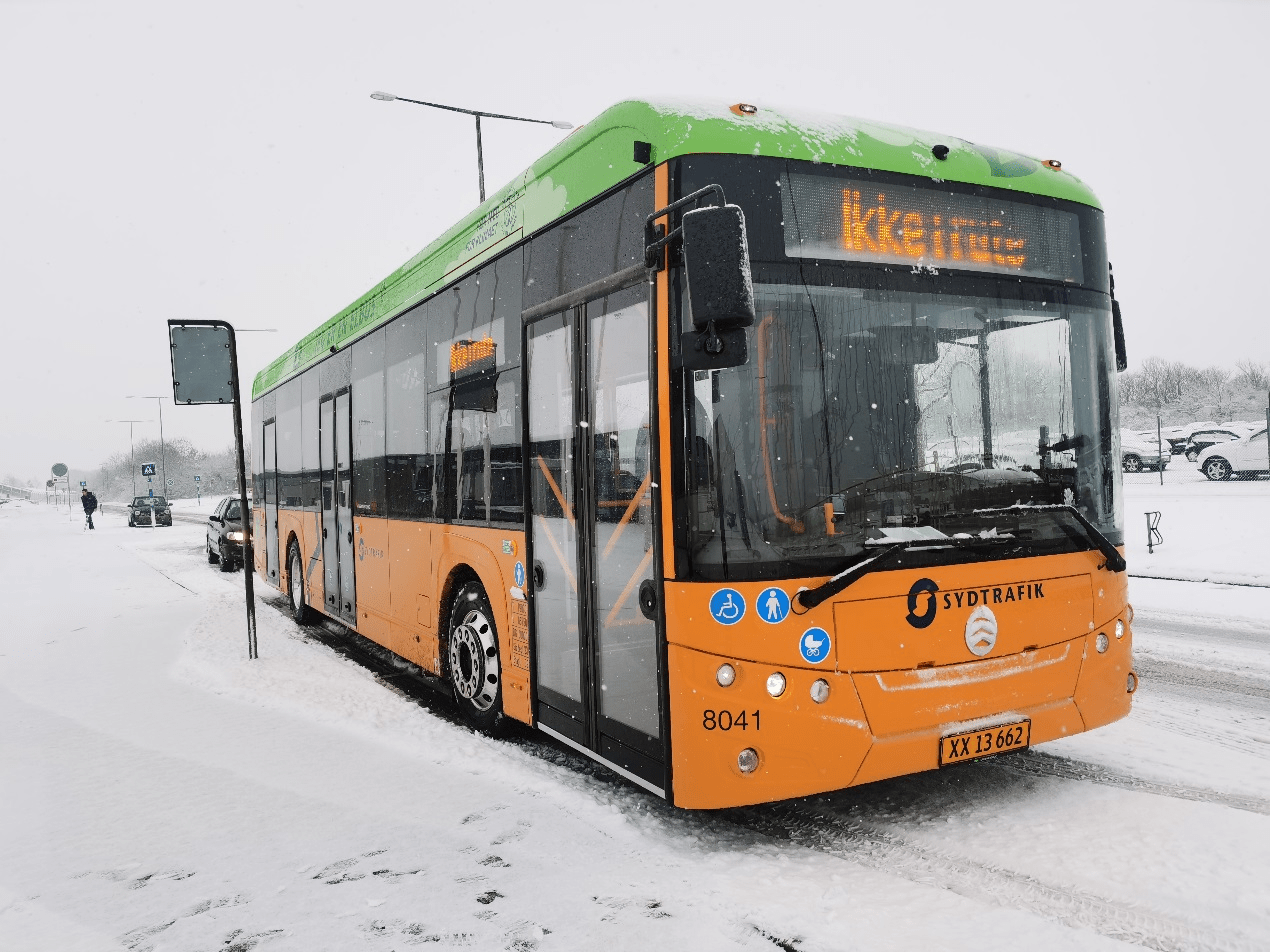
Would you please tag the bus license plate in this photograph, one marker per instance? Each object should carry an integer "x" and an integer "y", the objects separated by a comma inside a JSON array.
[{"x": 972, "y": 745}]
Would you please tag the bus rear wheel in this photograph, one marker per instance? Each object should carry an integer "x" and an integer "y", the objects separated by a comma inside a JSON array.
[{"x": 472, "y": 654}]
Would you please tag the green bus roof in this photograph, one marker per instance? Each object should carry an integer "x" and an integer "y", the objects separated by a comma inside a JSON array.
[{"x": 599, "y": 155}]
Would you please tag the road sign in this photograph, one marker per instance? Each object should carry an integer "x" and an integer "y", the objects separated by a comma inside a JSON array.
[
  {"x": 169, "y": 482},
  {"x": 59, "y": 469},
  {"x": 197, "y": 478},
  {"x": 82, "y": 483},
  {"x": 147, "y": 469}
]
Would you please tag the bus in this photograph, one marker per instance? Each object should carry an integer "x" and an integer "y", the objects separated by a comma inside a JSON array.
[{"x": 752, "y": 454}]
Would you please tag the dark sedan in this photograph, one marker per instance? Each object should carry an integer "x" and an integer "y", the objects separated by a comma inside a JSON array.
[
  {"x": 141, "y": 507},
  {"x": 225, "y": 536}
]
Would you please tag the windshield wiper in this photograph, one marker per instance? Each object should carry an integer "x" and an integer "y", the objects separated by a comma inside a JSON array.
[
  {"x": 1093, "y": 535},
  {"x": 810, "y": 598}
]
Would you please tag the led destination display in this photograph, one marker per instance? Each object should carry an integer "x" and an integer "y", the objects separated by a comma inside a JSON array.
[{"x": 853, "y": 220}]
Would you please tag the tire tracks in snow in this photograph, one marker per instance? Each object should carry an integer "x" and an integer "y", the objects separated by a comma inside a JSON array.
[
  {"x": 883, "y": 850},
  {"x": 1047, "y": 765}
]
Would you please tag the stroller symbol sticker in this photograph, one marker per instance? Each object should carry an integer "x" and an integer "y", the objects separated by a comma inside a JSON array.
[
  {"x": 814, "y": 645},
  {"x": 727, "y": 606},
  {"x": 773, "y": 605},
  {"x": 519, "y": 573}
]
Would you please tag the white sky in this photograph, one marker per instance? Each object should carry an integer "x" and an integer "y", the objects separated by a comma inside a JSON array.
[{"x": 162, "y": 160}]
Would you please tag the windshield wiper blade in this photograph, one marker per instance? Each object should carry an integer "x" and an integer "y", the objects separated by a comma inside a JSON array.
[
  {"x": 1115, "y": 561},
  {"x": 810, "y": 598}
]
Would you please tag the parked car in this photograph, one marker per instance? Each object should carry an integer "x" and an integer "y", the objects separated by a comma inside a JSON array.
[
  {"x": 1202, "y": 439},
  {"x": 1179, "y": 436},
  {"x": 225, "y": 535},
  {"x": 1138, "y": 453},
  {"x": 140, "y": 508},
  {"x": 1245, "y": 456}
]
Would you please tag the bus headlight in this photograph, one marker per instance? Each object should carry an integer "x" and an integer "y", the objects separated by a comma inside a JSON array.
[
  {"x": 776, "y": 684},
  {"x": 820, "y": 690},
  {"x": 747, "y": 760},
  {"x": 1102, "y": 642},
  {"x": 1119, "y": 629},
  {"x": 725, "y": 675}
]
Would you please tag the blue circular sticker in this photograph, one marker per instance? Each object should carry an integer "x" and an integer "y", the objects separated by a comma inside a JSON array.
[
  {"x": 814, "y": 645},
  {"x": 727, "y": 606},
  {"x": 519, "y": 573},
  {"x": 772, "y": 605}
]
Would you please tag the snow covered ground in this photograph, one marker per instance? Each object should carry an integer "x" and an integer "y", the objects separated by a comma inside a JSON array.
[
  {"x": 1215, "y": 531},
  {"x": 158, "y": 791}
]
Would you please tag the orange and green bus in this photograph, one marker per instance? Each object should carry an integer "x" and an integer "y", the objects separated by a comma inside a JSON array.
[{"x": 752, "y": 454}]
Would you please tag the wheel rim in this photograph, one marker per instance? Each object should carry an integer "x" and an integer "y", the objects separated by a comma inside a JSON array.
[
  {"x": 297, "y": 583},
  {"x": 474, "y": 660},
  {"x": 1218, "y": 469},
  {"x": 1131, "y": 464}
]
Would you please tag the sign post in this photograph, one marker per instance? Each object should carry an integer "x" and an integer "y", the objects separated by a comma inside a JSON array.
[
  {"x": 205, "y": 370},
  {"x": 60, "y": 471},
  {"x": 198, "y": 490}
]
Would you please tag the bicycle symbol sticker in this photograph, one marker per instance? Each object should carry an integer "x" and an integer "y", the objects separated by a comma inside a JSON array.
[
  {"x": 727, "y": 606},
  {"x": 772, "y": 605},
  {"x": 814, "y": 645}
]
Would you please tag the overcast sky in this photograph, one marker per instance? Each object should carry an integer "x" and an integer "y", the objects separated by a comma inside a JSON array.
[{"x": 168, "y": 159}]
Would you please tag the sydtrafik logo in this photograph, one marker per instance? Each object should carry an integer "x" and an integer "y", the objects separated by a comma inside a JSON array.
[{"x": 981, "y": 631}]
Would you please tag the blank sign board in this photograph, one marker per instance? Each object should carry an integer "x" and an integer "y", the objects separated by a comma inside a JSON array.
[{"x": 201, "y": 365}]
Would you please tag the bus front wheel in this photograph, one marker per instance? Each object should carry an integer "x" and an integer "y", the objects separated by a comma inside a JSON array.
[
  {"x": 300, "y": 610},
  {"x": 473, "y": 659}
]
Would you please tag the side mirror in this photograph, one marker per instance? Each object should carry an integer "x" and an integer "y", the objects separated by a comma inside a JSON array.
[
  {"x": 717, "y": 266},
  {"x": 1117, "y": 328},
  {"x": 720, "y": 288}
]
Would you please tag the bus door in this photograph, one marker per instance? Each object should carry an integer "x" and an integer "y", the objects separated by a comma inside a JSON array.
[
  {"x": 591, "y": 531},
  {"x": 271, "y": 503},
  {"x": 334, "y": 458}
]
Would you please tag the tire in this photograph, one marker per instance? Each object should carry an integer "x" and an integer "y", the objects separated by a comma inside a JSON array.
[
  {"x": 226, "y": 563},
  {"x": 1217, "y": 469},
  {"x": 1132, "y": 464},
  {"x": 473, "y": 659},
  {"x": 1192, "y": 455},
  {"x": 212, "y": 555},
  {"x": 296, "y": 587}
]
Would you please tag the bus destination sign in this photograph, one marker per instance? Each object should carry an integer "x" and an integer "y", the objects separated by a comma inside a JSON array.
[{"x": 855, "y": 220}]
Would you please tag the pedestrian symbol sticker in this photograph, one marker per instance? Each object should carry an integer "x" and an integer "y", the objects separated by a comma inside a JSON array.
[
  {"x": 727, "y": 606},
  {"x": 519, "y": 573},
  {"x": 814, "y": 645},
  {"x": 773, "y": 605}
]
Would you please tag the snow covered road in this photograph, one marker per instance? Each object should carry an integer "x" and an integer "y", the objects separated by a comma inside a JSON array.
[{"x": 159, "y": 791}]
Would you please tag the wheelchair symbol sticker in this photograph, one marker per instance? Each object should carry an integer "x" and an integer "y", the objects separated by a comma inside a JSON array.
[
  {"x": 814, "y": 645},
  {"x": 727, "y": 606},
  {"x": 773, "y": 605},
  {"x": 519, "y": 573}
]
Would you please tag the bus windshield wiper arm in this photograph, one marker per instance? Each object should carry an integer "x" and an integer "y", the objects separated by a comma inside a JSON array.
[
  {"x": 810, "y": 598},
  {"x": 1115, "y": 561}
]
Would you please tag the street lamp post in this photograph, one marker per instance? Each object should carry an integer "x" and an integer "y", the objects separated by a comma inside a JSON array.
[
  {"x": 132, "y": 453},
  {"x": 163, "y": 466},
  {"x": 480, "y": 156}
]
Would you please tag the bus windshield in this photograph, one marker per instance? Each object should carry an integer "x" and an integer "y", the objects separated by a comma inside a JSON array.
[{"x": 863, "y": 417}]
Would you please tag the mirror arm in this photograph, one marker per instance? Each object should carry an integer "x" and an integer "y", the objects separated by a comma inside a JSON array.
[{"x": 656, "y": 237}]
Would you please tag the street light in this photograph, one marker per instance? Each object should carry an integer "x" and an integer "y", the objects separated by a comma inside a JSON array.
[
  {"x": 480, "y": 159},
  {"x": 163, "y": 466},
  {"x": 132, "y": 452}
]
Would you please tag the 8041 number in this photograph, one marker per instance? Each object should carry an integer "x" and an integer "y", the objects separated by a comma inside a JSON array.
[{"x": 726, "y": 720}]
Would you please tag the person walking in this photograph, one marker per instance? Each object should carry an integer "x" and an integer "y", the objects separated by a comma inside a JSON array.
[{"x": 89, "y": 502}]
